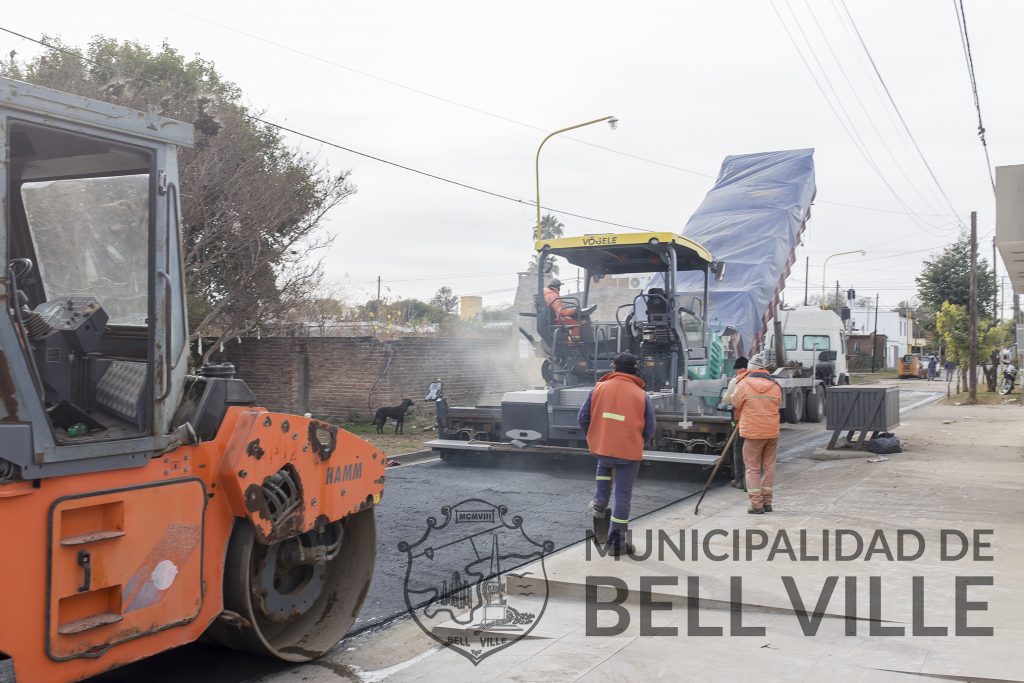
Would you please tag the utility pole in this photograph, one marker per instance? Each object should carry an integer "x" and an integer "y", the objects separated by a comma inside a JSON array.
[
  {"x": 910, "y": 328},
  {"x": 1002, "y": 297},
  {"x": 807, "y": 277},
  {"x": 995, "y": 294},
  {"x": 1016, "y": 306},
  {"x": 378, "y": 289},
  {"x": 972, "y": 364},
  {"x": 837, "y": 297},
  {"x": 874, "y": 336}
]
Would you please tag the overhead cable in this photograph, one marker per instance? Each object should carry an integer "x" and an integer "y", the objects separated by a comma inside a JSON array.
[
  {"x": 899, "y": 114},
  {"x": 335, "y": 145},
  {"x": 961, "y": 18}
]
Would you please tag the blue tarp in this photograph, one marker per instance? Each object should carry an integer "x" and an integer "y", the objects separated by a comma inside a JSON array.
[{"x": 752, "y": 220}]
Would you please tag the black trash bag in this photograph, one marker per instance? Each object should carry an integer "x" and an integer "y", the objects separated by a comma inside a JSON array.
[{"x": 884, "y": 444}]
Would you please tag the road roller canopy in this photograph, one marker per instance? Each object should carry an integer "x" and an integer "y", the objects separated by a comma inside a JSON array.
[{"x": 623, "y": 253}]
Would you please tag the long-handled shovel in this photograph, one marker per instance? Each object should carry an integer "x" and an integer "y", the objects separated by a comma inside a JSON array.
[{"x": 721, "y": 458}]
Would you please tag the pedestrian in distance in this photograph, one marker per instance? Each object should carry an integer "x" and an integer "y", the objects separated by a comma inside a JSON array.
[
  {"x": 618, "y": 418},
  {"x": 950, "y": 367},
  {"x": 740, "y": 366},
  {"x": 756, "y": 404},
  {"x": 933, "y": 368}
]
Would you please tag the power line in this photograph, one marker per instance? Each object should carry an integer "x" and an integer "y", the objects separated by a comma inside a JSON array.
[
  {"x": 869, "y": 208},
  {"x": 879, "y": 96},
  {"x": 850, "y": 129},
  {"x": 424, "y": 93},
  {"x": 863, "y": 108},
  {"x": 961, "y": 19},
  {"x": 478, "y": 110},
  {"x": 899, "y": 114},
  {"x": 435, "y": 176},
  {"x": 335, "y": 145},
  {"x": 438, "y": 177}
]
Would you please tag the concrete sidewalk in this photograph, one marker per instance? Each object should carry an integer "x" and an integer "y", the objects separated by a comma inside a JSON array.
[{"x": 962, "y": 470}]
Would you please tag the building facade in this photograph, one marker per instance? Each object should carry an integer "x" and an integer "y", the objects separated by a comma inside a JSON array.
[{"x": 894, "y": 325}]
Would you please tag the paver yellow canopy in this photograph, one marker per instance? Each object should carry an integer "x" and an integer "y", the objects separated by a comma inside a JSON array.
[
  {"x": 624, "y": 253},
  {"x": 144, "y": 506}
]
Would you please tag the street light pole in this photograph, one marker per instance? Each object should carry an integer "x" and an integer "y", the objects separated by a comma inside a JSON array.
[
  {"x": 842, "y": 253},
  {"x": 612, "y": 121}
]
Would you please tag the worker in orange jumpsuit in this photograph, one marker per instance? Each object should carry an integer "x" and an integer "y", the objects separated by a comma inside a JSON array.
[
  {"x": 618, "y": 418},
  {"x": 756, "y": 404},
  {"x": 562, "y": 313}
]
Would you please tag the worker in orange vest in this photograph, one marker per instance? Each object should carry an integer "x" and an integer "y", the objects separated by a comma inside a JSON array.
[
  {"x": 756, "y": 404},
  {"x": 618, "y": 418}
]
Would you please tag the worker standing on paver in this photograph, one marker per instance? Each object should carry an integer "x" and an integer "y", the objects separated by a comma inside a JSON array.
[
  {"x": 756, "y": 404},
  {"x": 740, "y": 366},
  {"x": 618, "y": 418}
]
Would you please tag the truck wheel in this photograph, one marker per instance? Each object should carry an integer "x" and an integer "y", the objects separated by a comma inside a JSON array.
[
  {"x": 794, "y": 410},
  {"x": 815, "y": 410}
]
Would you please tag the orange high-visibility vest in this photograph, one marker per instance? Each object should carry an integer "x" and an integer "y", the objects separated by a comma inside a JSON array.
[{"x": 617, "y": 407}]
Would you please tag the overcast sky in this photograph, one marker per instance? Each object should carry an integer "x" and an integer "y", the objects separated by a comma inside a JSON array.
[{"x": 691, "y": 82}]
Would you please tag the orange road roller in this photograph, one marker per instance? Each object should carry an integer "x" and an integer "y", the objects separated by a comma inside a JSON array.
[{"x": 143, "y": 506}]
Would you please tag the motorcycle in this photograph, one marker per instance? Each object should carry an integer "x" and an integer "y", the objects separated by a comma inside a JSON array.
[{"x": 1009, "y": 376}]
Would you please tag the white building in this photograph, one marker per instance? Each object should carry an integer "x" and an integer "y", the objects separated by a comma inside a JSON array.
[{"x": 893, "y": 324}]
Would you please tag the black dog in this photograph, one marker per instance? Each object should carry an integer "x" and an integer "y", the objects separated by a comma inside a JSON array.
[{"x": 397, "y": 413}]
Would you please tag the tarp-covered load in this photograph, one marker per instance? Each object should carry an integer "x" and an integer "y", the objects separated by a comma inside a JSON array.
[{"x": 752, "y": 220}]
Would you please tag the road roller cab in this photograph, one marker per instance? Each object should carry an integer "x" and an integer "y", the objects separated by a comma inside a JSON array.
[{"x": 143, "y": 504}]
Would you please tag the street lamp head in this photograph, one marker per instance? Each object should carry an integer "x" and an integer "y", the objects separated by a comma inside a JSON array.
[
  {"x": 863, "y": 253},
  {"x": 613, "y": 122}
]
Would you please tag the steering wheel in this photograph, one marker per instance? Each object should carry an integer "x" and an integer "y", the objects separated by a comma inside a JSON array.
[{"x": 26, "y": 267}]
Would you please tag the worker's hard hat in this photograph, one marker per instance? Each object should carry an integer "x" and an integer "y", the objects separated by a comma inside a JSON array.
[{"x": 555, "y": 283}]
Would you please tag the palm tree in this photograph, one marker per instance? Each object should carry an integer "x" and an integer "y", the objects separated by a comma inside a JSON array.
[{"x": 550, "y": 228}]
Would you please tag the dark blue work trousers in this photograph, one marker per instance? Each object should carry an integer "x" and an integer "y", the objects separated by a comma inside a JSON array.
[{"x": 615, "y": 479}]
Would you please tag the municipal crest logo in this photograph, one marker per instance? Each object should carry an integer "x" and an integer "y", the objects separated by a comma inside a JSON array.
[{"x": 469, "y": 573}]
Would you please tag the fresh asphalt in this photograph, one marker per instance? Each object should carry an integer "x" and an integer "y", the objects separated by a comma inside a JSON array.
[{"x": 550, "y": 495}]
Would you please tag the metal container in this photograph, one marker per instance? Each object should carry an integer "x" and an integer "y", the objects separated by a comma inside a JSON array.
[
  {"x": 524, "y": 414},
  {"x": 858, "y": 408}
]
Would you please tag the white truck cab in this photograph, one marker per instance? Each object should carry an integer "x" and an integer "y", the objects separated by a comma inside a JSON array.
[{"x": 809, "y": 330}]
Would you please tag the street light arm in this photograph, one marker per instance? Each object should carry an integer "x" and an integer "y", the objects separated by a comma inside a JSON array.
[
  {"x": 825, "y": 264},
  {"x": 541, "y": 146}
]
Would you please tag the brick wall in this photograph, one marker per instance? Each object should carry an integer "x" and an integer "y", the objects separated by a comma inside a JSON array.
[{"x": 340, "y": 377}]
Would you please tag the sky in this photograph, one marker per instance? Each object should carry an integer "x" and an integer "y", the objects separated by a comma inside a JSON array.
[{"x": 467, "y": 90}]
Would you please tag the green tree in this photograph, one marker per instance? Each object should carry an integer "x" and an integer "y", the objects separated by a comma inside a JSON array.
[
  {"x": 952, "y": 323},
  {"x": 445, "y": 300},
  {"x": 947, "y": 278},
  {"x": 253, "y": 209}
]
